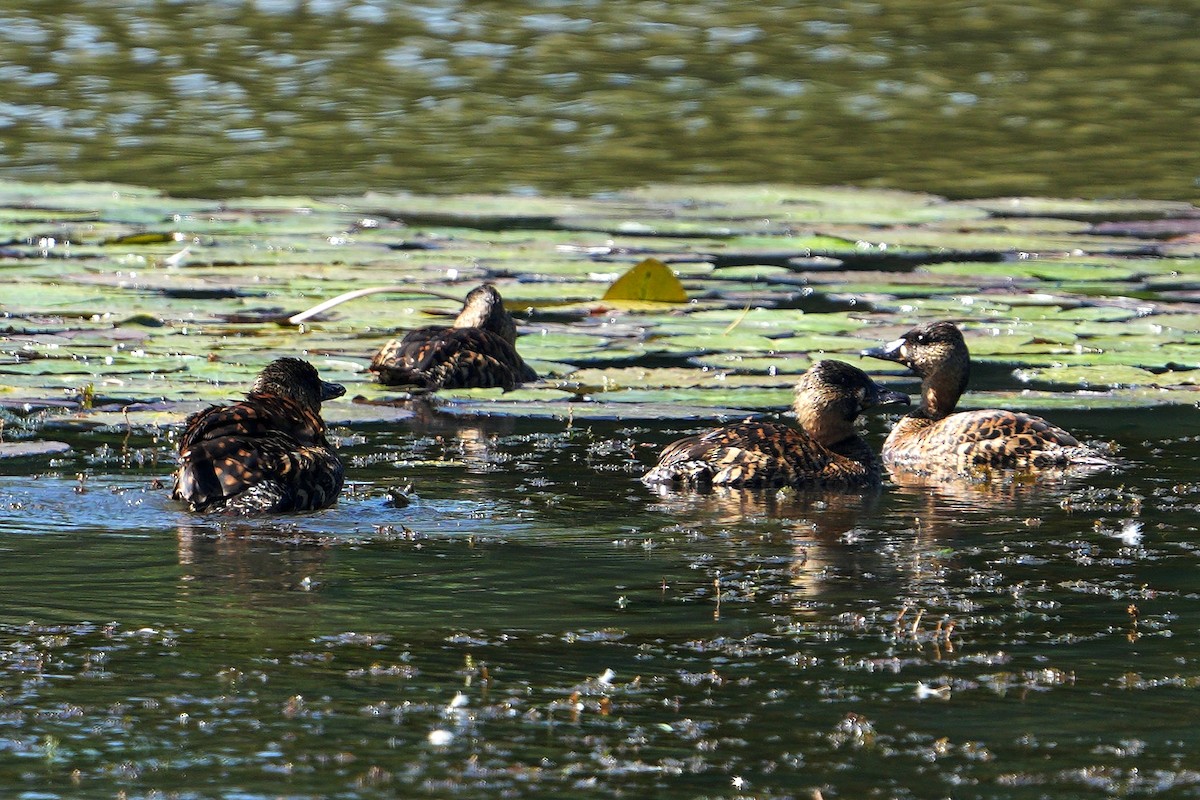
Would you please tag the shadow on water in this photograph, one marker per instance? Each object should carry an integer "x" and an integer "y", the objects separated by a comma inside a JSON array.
[{"x": 537, "y": 623}]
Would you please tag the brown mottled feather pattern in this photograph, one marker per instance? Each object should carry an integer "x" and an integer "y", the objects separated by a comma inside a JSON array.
[
  {"x": 757, "y": 455},
  {"x": 451, "y": 358},
  {"x": 267, "y": 453},
  {"x": 989, "y": 437},
  {"x": 477, "y": 351}
]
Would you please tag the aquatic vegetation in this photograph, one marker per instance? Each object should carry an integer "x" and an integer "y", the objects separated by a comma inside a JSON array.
[{"x": 156, "y": 300}]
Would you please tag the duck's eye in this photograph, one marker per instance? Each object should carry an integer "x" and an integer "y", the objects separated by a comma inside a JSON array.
[{"x": 920, "y": 338}]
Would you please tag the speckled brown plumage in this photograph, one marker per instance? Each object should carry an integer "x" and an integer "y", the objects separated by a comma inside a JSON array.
[
  {"x": 477, "y": 351},
  {"x": 934, "y": 437},
  {"x": 826, "y": 450},
  {"x": 267, "y": 453}
]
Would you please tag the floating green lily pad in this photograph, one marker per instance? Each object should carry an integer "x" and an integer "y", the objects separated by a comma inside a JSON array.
[
  {"x": 1109, "y": 375},
  {"x": 1081, "y": 209},
  {"x": 622, "y": 378},
  {"x": 1042, "y": 270}
]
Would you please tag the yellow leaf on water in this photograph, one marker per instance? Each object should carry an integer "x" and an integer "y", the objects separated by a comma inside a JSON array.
[
  {"x": 648, "y": 280},
  {"x": 145, "y": 237}
]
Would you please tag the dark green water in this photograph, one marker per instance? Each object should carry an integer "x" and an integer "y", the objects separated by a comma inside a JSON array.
[
  {"x": 1097, "y": 99},
  {"x": 779, "y": 642}
]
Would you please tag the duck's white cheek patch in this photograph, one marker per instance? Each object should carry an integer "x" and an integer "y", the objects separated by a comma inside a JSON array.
[{"x": 900, "y": 347}]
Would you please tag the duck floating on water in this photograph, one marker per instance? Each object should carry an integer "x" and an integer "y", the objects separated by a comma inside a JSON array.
[
  {"x": 826, "y": 450},
  {"x": 477, "y": 351},
  {"x": 265, "y": 454},
  {"x": 933, "y": 437}
]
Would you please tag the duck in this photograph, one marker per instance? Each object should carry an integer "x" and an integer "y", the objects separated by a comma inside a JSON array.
[
  {"x": 826, "y": 450},
  {"x": 477, "y": 351},
  {"x": 934, "y": 438},
  {"x": 265, "y": 454}
]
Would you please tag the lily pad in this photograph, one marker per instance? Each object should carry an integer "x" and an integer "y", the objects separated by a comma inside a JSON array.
[
  {"x": 1088, "y": 210},
  {"x": 34, "y": 448},
  {"x": 742, "y": 397},
  {"x": 1109, "y": 375},
  {"x": 649, "y": 280},
  {"x": 798, "y": 204},
  {"x": 788, "y": 365},
  {"x": 1044, "y": 270},
  {"x": 619, "y": 379},
  {"x": 1038, "y": 401}
]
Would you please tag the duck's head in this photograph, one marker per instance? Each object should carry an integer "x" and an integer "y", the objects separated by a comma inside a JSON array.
[
  {"x": 926, "y": 350},
  {"x": 937, "y": 353},
  {"x": 298, "y": 380},
  {"x": 484, "y": 308},
  {"x": 831, "y": 395}
]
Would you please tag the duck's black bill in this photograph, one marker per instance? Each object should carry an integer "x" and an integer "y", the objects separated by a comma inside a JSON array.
[
  {"x": 331, "y": 390},
  {"x": 887, "y": 397},
  {"x": 887, "y": 352}
]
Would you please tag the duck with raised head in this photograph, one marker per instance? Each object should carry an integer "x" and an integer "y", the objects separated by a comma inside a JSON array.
[
  {"x": 477, "y": 351},
  {"x": 935, "y": 438},
  {"x": 825, "y": 451},
  {"x": 265, "y": 454}
]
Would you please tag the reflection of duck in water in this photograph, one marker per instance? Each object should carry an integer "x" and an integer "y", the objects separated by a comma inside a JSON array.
[
  {"x": 934, "y": 438},
  {"x": 828, "y": 512},
  {"x": 808, "y": 538},
  {"x": 477, "y": 351},
  {"x": 267, "y": 453},
  {"x": 825, "y": 451},
  {"x": 251, "y": 560},
  {"x": 980, "y": 488}
]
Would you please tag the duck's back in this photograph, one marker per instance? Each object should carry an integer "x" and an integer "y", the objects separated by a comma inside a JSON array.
[
  {"x": 262, "y": 455},
  {"x": 451, "y": 358},
  {"x": 990, "y": 437},
  {"x": 755, "y": 454}
]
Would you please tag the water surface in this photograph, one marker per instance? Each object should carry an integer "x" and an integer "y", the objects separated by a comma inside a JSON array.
[
  {"x": 1011, "y": 639},
  {"x": 332, "y": 96}
]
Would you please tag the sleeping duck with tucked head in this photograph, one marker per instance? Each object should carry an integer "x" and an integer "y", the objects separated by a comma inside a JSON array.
[
  {"x": 825, "y": 451},
  {"x": 477, "y": 351},
  {"x": 935, "y": 438}
]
